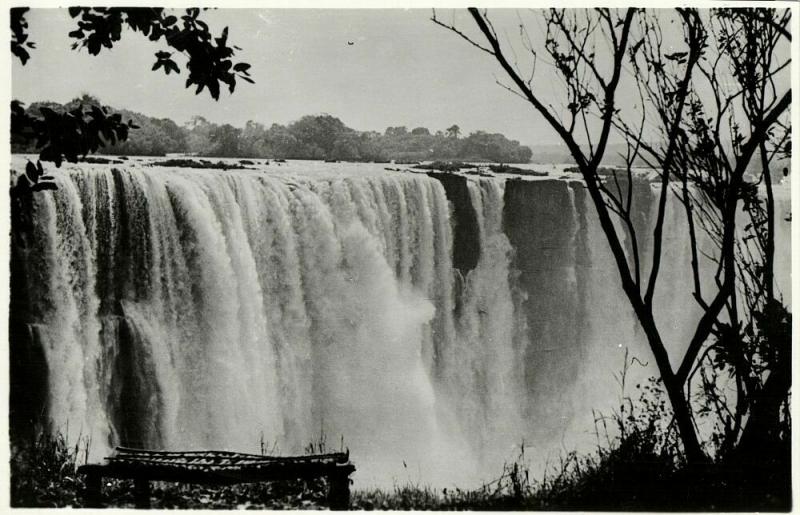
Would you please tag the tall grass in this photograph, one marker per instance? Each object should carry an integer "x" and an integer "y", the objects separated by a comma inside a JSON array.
[
  {"x": 637, "y": 465},
  {"x": 614, "y": 476},
  {"x": 43, "y": 475}
]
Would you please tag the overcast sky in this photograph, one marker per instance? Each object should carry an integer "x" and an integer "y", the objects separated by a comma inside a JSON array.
[{"x": 401, "y": 70}]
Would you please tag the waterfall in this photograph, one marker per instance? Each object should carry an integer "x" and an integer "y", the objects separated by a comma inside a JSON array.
[{"x": 432, "y": 323}]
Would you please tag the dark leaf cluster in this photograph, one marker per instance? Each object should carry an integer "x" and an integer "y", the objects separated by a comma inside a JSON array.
[
  {"x": 68, "y": 134},
  {"x": 209, "y": 58},
  {"x": 311, "y": 137},
  {"x": 19, "y": 34}
]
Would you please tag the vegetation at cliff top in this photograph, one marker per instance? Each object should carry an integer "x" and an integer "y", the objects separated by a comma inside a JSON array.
[
  {"x": 59, "y": 134},
  {"x": 322, "y": 137}
]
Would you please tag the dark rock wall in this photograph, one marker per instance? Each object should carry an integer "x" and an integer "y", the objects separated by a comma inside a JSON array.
[
  {"x": 545, "y": 231},
  {"x": 466, "y": 237}
]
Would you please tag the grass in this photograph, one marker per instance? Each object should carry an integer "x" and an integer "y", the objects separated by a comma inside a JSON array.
[
  {"x": 628, "y": 477},
  {"x": 43, "y": 476},
  {"x": 632, "y": 474},
  {"x": 503, "y": 493},
  {"x": 43, "y": 473},
  {"x": 637, "y": 465}
]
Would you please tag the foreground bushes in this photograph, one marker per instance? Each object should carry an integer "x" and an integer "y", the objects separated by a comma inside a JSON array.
[
  {"x": 638, "y": 465},
  {"x": 631, "y": 475},
  {"x": 43, "y": 476},
  {"x": 43, "y": 473}
]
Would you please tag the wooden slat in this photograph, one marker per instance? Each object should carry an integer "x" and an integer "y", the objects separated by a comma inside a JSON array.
[
  {"x": 237, "y": 466},
  {"x": 338, "y": 457},
  {"x": 226, "y": 475},
  {"x": 217, "y": 467},
  {"x": 155, "y": 465},
  {"x": 130, "y": 450}
]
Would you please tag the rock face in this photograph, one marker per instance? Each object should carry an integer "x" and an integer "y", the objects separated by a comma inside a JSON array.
[
  {"x": 544, "y": 229},
  {"x": 27, "y": 361},
  {"x": 466, "y": 236}
]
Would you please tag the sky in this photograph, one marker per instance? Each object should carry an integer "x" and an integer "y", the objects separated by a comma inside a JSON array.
[{"x": 402, "y": 69}]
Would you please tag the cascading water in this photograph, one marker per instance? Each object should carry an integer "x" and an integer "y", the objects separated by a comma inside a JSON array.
[{"x": 431, "y": 322}]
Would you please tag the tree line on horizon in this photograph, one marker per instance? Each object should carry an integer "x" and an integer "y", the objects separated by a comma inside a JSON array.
[{"x": 319, "y": 137}]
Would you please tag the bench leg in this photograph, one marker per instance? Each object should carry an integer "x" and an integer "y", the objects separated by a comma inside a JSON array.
[
  {"x": 141, "y": 493},
  {"x": 91, "y": 493},
  {"x": 339, "y": 491}
]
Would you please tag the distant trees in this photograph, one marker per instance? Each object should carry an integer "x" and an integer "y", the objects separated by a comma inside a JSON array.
[
  {"x": 317, "y": 135},
  {"x": 706, "y": 108},
  {"x": 251, "y": 140},
  {"x": 280, "y": 142},
  {"x": 67, "y": 134},
  {"x": 348, "y": 147},
  {"x": 224, "y": 140},
  {"x": 494, "y": 147},
  {"x": 311, "y": 137},
  {"x": 78, "y": 130},
  {"x": 155, "y": 136},
  {"x": 453, "y": 131},
  {"x": 395, "y": 132},
  {"x": 198, "y": 135}
]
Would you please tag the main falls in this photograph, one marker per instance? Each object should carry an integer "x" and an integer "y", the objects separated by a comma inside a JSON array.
[{"x": 431, "y": 323}]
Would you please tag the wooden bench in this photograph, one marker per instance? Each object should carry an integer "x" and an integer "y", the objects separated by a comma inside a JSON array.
[{"x": 215, "y": 468}]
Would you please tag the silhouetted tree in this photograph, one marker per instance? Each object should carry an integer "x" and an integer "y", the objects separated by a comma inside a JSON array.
[
  {"x": 681, "y": 142},
  {"x": 84, "y": 130},
  {"x": 453, "y": 131},
  {"x": 396, "y": 131}
]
